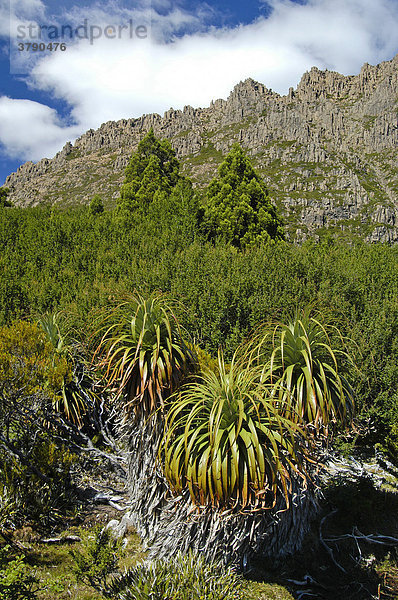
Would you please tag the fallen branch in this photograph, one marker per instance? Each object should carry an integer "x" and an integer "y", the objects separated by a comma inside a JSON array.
[
  {"x": 65, "y": 539},
  {"x": 324, "y": 544},
  {"x": 384, "y": 540}
]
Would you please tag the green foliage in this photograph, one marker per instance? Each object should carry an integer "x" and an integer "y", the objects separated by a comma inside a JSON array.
[
  {"x": 96, "y": 206},
  {"x": 34, "y": 471},
  {"x": 75, "y": 396},
  {"x": 174, "y": 210},
  {"x": 226, "y": 442},
  {"x": 205, "y": 360},
  {"x": 306, "y": 372},
  {"x": 143, "y": 353},
  {"x": 8, "y": 510},
  {"x": 153, "y": 169},
  {"x": 16, "y": 582},
  {"x": 183, "y": 577},
  {"x": 154, "y": 196},
  {"x": 54, "y": 260},
  {"x": 98, "y": 559},
  {"x": 238, "y": 210},
  {"x": 43, "y": 496},
  {"x": 54, "y": 566},
  {"x": 4, "y": 192},
  {"x": 27, "y": 362},
  {"x": 378, "y": 388},
  {"x": 49, "y": 324}
]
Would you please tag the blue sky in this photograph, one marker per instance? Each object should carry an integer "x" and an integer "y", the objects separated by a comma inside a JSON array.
[{"x": 189, "y": 53}]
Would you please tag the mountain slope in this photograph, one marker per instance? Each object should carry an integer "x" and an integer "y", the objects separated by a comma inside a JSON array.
[{"x": 328, "y": 151}]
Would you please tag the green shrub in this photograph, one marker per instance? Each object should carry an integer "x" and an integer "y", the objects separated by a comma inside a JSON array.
[
  {"x": 98, "y": 559},
  {"x": 184, "y": 577},
  {"x": 34, "y": 465},
  {"x": 96, "y": 206},
  {"x": 205, "y": 360},
  {"x": 27, "y": 364},
  {"x": 16, "y": 582},
  {"x": 46, "y": 498}
]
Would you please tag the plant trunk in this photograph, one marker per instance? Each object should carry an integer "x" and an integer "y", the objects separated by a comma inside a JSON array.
[
  {"x": 233, "y": 539},
  {"x": 146, "y": 485},
  {"x": 168, "y": 525}
]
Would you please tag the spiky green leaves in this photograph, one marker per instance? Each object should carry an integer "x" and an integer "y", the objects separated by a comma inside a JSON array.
[
  {"x": 227, "y": 443},
  {"x": 236, "y": 438},
  {"x": 183, "y": 577},
  {"x": 75, "y": 394},
  {"x": 142, "y": 353},
  {"x": 49, "y": 324},
  {"x": 307, "y": 373}
]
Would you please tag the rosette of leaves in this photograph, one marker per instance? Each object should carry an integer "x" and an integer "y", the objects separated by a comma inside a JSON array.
[
  {"x": 75, "y": 389},
  {"x": 143, "y": 354},
  {"x": 227, "y": 444},
  {"x": 307, "y": 372}
]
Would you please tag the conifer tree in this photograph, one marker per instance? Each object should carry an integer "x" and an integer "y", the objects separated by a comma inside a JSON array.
[
  {"x": 152, "y": 169},
  {"x": 3, "y": 197},
  {"x": 96, "y": 206},
  {"x": 238, "y": 210}
]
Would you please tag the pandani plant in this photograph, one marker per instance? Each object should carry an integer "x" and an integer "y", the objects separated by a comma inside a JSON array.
[
  {"x": 308, "y": 374},
  {"x": 227, "y": 443},
  {"x": 238, "y": 452},
  {"x": 234, "y": 466},
  {"x": 142, "y": 354},
  {"x": 76, "y": 396},
  {"x": 144, "y": 359}
]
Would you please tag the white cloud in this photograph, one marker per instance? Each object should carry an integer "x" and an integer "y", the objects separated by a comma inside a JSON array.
[
  {"x": 28, "y": 128},
  {"x": 112, "y": 79},
  {"x": 16, "y": 12}
]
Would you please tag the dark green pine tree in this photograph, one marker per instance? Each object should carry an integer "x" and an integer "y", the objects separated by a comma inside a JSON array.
[
  {"x": 3, "y": 197},
  {"x": 96, "y": 206},
  {"x": 152, "y": 169},
  {"x": 238, "y": 210}
]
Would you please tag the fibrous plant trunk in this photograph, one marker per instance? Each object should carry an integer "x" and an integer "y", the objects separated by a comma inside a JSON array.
[
  {"x": 145, "y": 481},
  {"x": 168, "y": 525},
  {"x": 234, "y": 538}
]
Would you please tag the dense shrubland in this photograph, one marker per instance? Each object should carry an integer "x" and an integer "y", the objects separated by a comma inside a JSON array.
[
  {"x": 73, "y": 261},
  {"x": 305, "y": 339}
]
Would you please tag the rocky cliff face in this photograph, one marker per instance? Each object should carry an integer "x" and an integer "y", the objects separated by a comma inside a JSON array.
[{"x": 328, "y": 151}]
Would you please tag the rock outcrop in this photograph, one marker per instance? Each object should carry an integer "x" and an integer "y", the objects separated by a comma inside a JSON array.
[{"x": 327, "y": 150}]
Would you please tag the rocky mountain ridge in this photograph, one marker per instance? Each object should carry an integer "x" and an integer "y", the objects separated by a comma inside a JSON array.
[{"x": 327, "y": 150}]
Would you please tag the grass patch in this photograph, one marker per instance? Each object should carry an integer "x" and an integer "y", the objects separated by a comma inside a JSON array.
[
  {"x": 73, "y": 154},
  {"x": 206, "y": 153},
  {"x": 54, "y": 567},
  {"x": 254, "y": 590}
]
